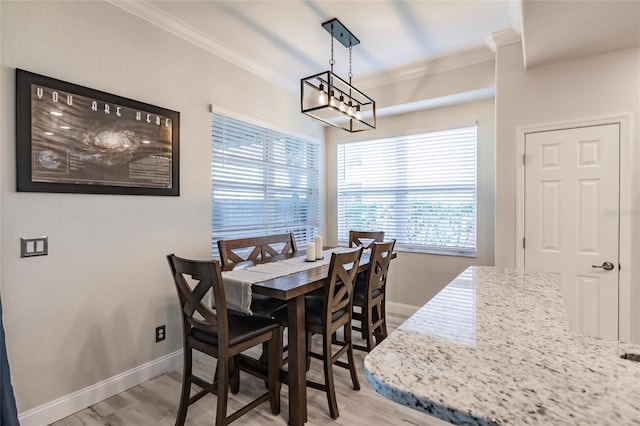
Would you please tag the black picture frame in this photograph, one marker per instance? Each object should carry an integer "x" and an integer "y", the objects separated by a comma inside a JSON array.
[{"x": 73, "y": 139}]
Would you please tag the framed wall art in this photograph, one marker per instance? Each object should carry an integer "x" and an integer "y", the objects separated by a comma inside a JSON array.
[{"x": 70, "y": 138}]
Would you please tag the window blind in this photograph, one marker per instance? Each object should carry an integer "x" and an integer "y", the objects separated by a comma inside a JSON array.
[
  {"x": 419, "y": 189},
  {"x": 263, "y": 182}
]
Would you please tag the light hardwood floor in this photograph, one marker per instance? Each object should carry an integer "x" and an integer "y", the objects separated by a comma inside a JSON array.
[{"x": 155, "y": 402}]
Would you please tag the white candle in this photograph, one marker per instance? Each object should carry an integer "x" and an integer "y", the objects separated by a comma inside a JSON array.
[
  {"x": 311, "y": 251},
  {"x": 318, "y": 242}
]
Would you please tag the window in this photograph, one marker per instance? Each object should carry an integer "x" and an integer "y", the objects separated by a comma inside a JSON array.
[
  {"x": 419, "y": 189},
  {"x": 263, "y": 182}
]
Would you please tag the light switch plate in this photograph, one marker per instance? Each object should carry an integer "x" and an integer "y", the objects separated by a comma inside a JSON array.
[{"x": 34, "y": 246}]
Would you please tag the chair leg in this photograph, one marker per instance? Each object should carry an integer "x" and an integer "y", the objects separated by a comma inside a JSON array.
[
  {"x": 223, "y": 393},
  {"x": 264, "y": 358},
  {"x": 383, "y": 315},
  {"x": 376, "y": 326},
  {"x": 328, "y": 376},
  {"x": 234, "y": 376},
  {"x": 369, "y": 321},
  {"x": 265, "y": 351},
  {"x": 352, "y": 364},
  {"x": 309, "y": 338},
  {"x": 275, "y": 362},
  {"x": 380, "y": 331},
  {"x": 186, "y": 388},
  {"x": 234, "y": 370}
]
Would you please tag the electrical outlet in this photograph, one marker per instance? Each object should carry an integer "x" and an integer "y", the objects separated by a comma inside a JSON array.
[{"x": 160, "y": 333}]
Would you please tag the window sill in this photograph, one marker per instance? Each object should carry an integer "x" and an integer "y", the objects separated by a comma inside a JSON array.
[
  {"x": 436, "y": 252},
  {"x": 427, "y": 250}
]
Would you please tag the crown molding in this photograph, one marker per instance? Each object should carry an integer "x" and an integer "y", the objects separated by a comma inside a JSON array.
[
  {"x": 430, "y": 66},
  {"x": 163, "y": 20},
  {"x": 156, "y": 16},
  {"x": 503, "y": 38}
]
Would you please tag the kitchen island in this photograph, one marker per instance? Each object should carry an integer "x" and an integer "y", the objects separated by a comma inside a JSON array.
[{"x": 494, "y": 347}]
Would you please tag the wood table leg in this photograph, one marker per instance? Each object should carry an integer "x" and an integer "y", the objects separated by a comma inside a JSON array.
[{"x": 297, "y": 362}]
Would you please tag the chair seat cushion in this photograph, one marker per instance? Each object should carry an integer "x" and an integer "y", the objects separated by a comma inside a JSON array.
[
  {"x": 241, "y": 328},
  {"x": 359, "y": 292},
  {"x": 312, "y": 309},
  {"x": 265, "y": 305}
]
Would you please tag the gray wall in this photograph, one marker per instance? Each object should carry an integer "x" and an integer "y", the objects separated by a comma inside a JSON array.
[
  {"x": 88, "y": 310},
  {"x": 590, "y": 88}
]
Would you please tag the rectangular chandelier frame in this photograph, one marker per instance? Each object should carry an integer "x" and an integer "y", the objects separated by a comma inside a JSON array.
[{"x": 332, "y": 100}]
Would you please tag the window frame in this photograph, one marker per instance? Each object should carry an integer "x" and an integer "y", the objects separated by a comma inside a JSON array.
[
  {"x": 461, "y": 251},
  {"x": 272, "y": 135}
]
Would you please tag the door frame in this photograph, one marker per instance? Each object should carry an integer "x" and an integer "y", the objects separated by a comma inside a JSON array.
[{"x": 627, "y": 176}]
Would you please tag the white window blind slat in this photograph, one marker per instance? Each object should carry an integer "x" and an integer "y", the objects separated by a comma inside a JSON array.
[
  {"x": 419, "y": 189},
  {"x": 263, "y": 182}
]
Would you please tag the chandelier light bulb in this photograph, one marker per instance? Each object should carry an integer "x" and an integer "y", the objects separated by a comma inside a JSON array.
[
  {"x": 322, "y": 96},
  {"x": 358, "y": 115},
  {"x": 333, "y": 99},
  {"x": 343, "y": 107},
  {"x": 350, "y": 108}
]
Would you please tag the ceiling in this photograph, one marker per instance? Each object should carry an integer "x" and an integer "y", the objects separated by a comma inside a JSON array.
[
  {"x": 555, "y": 31},
  {"x": 284, "y": 41}
]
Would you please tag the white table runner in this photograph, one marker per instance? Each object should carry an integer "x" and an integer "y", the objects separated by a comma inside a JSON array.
[{"x": 237, "y": 284}]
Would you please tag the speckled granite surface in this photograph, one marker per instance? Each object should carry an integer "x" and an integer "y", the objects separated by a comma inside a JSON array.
[{"x": 494, "y": 347}]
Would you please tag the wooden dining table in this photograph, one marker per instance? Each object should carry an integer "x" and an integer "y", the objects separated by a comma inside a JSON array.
[{"x": 293, "y": 288}]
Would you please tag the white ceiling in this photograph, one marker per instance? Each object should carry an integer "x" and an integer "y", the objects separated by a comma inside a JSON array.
[
  {"x": 284, "y": 41},
  {"x": 555, "y": 31}
]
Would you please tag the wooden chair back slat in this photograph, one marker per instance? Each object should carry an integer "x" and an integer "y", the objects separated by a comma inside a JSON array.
[
  {"x": 378, "y": 270},
  {"x": 206, "y": 276},
  {"x": 342, "y": 276},
  {"x": 365, "y": 238},
  {"x": 255, "y": 249}
]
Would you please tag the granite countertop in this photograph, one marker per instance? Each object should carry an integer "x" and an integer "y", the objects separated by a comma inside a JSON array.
[{"x": 494, "y": 347}]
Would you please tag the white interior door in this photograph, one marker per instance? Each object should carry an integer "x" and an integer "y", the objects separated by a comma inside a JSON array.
[{"x": 572, "y": 220}]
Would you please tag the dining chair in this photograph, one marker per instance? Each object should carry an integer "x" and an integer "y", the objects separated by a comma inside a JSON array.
[
  {"x": 370, "y": 296},
  {"x": 222, "y": 336},
  {"x": 364, "y": 238},
  {"x": 243, "y": 252},
  {"x": 326, "y": 313}
]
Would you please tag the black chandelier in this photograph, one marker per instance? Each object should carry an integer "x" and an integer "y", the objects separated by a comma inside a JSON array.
[{"x": 332, "y": 100}]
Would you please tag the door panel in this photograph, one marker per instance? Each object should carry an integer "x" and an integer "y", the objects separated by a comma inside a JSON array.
[
  {"x": 588, "y": 288},
  {"x": 588, "y": 200},
  {"x": 550, "y": 216},
  {"x": 572, "y": 222}
]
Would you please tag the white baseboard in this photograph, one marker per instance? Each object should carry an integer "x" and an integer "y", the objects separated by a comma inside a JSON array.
[
  {"x": 79, "y": 400},
  {"x": 400, "y": 309}
]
